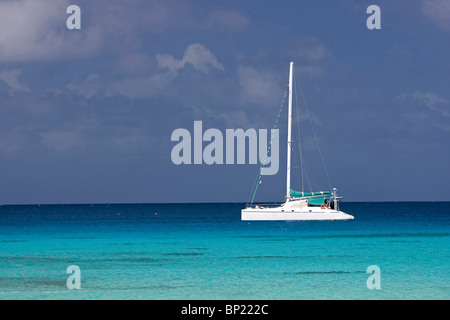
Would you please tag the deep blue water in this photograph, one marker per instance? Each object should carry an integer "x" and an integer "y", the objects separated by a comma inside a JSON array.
[{"x": 204, "y": 251}]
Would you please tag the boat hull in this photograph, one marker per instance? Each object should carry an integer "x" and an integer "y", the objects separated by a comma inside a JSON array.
[{"x": 277, "y": 214}]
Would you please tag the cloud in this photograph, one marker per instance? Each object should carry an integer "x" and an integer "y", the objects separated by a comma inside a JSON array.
[
  {"x": 62, "y": 141},
  {"x": 33, "y": 30},
  {"x": 147, "y": 86},
  {"x": 196, "y": 54},
  {"x": 227, "y": 20},
  {"x": 11, "y": 79},
  {"x": 147, "y": 83},
  {"x": 311, "y": 71},
  {"x": 259, "y": 87},
  {"x": 141, "y": 87},
  {"x": 309, "y": 50},
  {"x": 428, "y": 99},
  {"x": 231, "y": 119},
  {"x": 438, "y": 12},
  {"x": 12, "y": 141},
  {"x": 169, "y": 62},
  {"x": 134, "y": 63},
  {"x": 180, "y": 14},
  {"x": 425, "y": 109},
  {"x": 88, "y": 88}
]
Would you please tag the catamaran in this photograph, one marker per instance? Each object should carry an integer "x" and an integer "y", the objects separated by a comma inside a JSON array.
[{"x": 298, "y": 205}]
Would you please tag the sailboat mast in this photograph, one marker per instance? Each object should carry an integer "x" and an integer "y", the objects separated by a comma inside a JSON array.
[{"x": 289, "y": 140}]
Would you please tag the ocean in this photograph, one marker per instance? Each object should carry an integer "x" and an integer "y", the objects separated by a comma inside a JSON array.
[{"x": 204, "y": 251}]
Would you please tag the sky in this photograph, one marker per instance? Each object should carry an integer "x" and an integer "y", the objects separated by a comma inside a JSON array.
[{"x": 86, "y": 116}]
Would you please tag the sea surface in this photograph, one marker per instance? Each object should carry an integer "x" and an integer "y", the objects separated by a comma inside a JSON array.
[{"x": 204, "y": 251}]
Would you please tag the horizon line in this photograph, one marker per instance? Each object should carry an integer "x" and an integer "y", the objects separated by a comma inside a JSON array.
[{"x": 226, "y": 202}]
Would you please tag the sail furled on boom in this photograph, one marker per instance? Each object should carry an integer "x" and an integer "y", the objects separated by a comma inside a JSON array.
[{"x": 299, "y": 194}]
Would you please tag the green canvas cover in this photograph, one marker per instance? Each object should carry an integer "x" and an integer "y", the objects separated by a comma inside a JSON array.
[
  {"x": 316, "y": 201},
  {"x": 299, "y": 194}
]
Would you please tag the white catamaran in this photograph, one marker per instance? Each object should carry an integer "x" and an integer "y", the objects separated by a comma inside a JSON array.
[{"x": 321, "y": 205}]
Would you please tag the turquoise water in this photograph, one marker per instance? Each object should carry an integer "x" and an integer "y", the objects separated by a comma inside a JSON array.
[{"x": 204, "y": 251}]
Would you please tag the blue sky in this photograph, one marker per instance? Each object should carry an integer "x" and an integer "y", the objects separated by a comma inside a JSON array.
[{"x": 86, "y": 115}]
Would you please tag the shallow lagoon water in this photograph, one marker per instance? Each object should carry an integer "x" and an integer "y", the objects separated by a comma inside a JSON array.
[{"x": 204, "y": 251}]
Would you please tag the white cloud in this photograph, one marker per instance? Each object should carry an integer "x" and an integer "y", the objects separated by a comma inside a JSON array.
[
  {"x": 142, "y": 87},
  {"x": 52, "y": 92},
  {"x": 62, "y": 141},
  {"x": 231, "y": 119},
  {"x": 196, "y": 54},
  {"x": 429, "y": 99},
  {"x": 310, "y": 50},
  {"x": 311, "y": 71},
  {"x": 259, "y": 87},
  {"x": 169, "y": 62},
  {"x": 425, "y": 109},
  {"x": 11, "y": 142},
  {"x": 88, "y": 88},
  {"x": 32, "y": 30},
  {"x": 36, "y": 30},
  {"x": 147, "y": 86},
  {"x": 11, "y": 79},
  {"x": 134, "y": 63},
  {"x": 438, "y": 12},
  {"x": 236, "y": 119},
  {"x": 227, "y": 20}
]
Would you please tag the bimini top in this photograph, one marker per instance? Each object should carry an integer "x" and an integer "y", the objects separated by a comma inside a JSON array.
[{"x": 299, "y": 194}]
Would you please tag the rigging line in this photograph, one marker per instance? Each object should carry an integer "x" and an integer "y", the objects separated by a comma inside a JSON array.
[
  {"x": 254, "y": 186},
  {"x": 312, "y": 183},
  {"x": 309, "y": 182},
  {"x": 270, "y": 145},
  {"x": 272, "y": 189},
  {"x": 299, "y": 136},
  {"x": 315, "y": 136}
]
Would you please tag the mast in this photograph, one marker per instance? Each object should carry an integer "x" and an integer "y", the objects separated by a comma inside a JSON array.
[{"x": 289, "y": 148}]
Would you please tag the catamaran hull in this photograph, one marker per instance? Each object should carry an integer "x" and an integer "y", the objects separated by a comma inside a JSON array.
[{"x": 267, "y": 214}]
